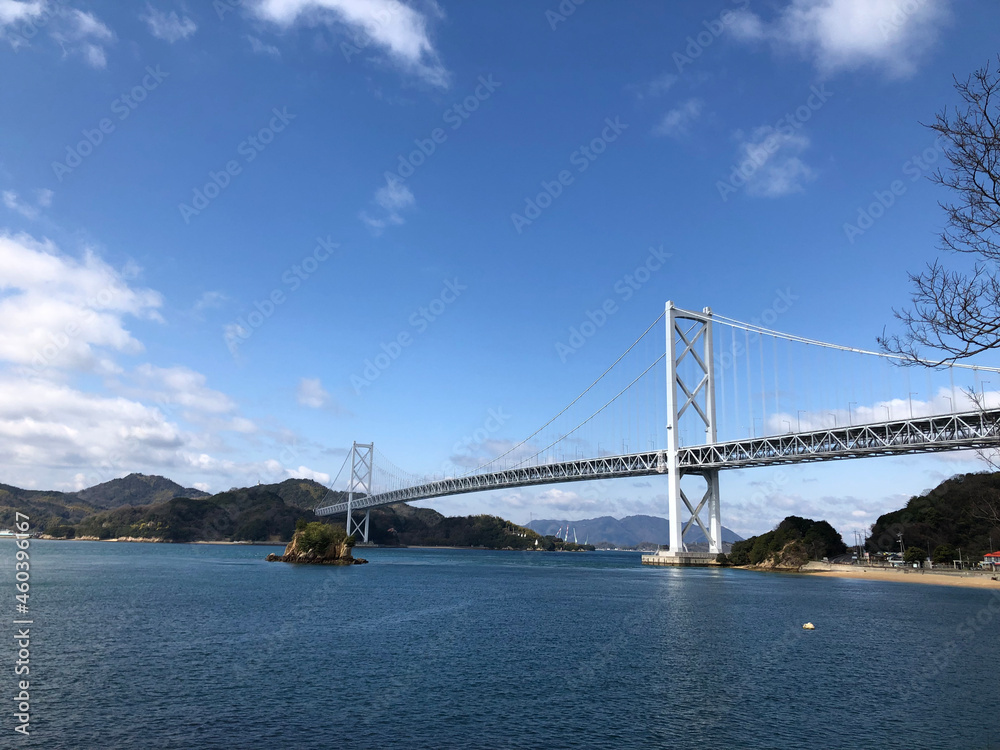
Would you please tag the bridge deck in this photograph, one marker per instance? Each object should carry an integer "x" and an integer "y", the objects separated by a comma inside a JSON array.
[{"x": 971, "y": 430}]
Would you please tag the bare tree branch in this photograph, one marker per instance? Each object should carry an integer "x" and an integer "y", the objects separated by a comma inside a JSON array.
[{"x": 957, "y": 314}]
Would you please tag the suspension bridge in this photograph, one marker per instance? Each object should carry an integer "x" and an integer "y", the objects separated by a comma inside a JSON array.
[{"x": 680, "y": 411}]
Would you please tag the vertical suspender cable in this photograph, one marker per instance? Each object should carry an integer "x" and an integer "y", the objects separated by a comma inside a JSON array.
[
  {"x": 763, "y": 389},
  {"x": 774, "y": 351},
  {"x": 722, "y": 383},
  {"x": 746, "y": 342}
]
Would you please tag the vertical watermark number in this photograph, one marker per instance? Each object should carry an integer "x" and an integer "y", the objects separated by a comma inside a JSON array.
[{"x": 22, "y": 625}]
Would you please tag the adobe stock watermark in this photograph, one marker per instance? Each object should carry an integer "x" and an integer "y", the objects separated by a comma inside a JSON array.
[
  {"x": 582, "y": 158},
  {"x": 784, "y": 128},
  {"x": 249, "y": 148},
  {"x": 901, "y": 12},
  {"x": 471, "y": 445},
  {"x": 22, "y": 622},
  {"x": 624, "y": 289},
  {"x": 714, "y": 28},
  {"x": 420, "y": 320},
  {"x": 562, "y": 12},
  {"x": 239, "y": 332},
  {"x": 363, "y": 37},
  {"x": 222, "y": 7},
  {"x": 121, "y": 107},
  {"x": 455, "y": 117},
  {"x": 30, "y": 28},
  {"x": 915, "y": 167}
]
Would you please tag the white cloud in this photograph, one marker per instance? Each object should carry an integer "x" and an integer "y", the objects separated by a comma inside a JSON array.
[
  {"x": 210, "y": 299},
  {"x": 770, "y": 162},
  {"x": 312, "y": 394},
  {"x": 60, "y": 312},
  {"x": 678, "y": 121},
  {"x": 168, "y": 26},
  {"x": 304, "y": 472},
  {"x": 260, "y": 48},
  {"x": 392, "y": 198},
  {"x": 394, "y": 26},
  {"x": 13, "y": 11},
  {"x": 77, "y": 32},
  {"x": 43, "y": 199},
  {"x": 180, "y": 386},
  {"x": 943, "y": 400},
  {"x": 848, "y": 34},
  {"x": 62, "y": 317},
  {"x": 83, "y": 34},
  {"x": 655, "y": 88}
]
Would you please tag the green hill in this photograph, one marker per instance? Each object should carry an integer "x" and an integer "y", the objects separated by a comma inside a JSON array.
[
  {"x": 135, "y": 489},
  {"x": 57, "y": 510},
  {"x": 265, "y": 513},
  {"x": 961, "y": 512},
  {"x": 792, "y": 543},
  {"x": 405, "y": 525}
]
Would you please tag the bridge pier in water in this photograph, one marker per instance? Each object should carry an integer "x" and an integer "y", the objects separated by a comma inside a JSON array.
[{"x": 689, "y": 337}]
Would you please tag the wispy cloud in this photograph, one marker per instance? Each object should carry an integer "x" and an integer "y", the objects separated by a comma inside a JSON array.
[
  {"x": 312, "y": 394},
  {"x": 393, "y": 198},
  {"x": 678, "y": 121},
  {"x": 397, "y": 28},
  {"x": 850, "y": 34},
  {"x": 43, "y": 199},
  {"x": 260, "y": 48},
  {"x": 83, "y": 34},
  {"x": 168, "y": 26},
  {"x": 78, "y": 33},
  {"x": 776, "y": 167},
  {"x": 655, "y": 88},
  {"x": 209, "y": 300}
]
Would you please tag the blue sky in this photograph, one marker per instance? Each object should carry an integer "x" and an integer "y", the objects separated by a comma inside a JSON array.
[{"x": 215, "y": 213}]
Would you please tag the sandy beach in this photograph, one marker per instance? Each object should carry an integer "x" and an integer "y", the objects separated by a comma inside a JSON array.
[{"x": 905, "y": 575}]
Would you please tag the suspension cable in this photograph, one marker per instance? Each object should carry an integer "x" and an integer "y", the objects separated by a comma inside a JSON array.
[
  {"x": 753, "y": 327},
  {"x": 589, "y": 388}
]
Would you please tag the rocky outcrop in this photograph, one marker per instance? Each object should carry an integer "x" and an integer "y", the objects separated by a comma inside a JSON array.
[
  {"x": 336, "y": 553},
  {"x": 792, "y": 557}
]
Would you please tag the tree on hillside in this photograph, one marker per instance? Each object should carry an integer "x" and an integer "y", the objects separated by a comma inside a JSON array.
[
  {"x": 944, "y": 554},
  {"x": 956, "y": 314}
]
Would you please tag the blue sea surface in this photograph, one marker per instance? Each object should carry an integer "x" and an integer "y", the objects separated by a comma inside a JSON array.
[{"x": 204, "y": 646}]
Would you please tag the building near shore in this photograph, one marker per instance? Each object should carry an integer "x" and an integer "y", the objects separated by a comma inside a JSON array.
[{"x": 991, "y": 560}]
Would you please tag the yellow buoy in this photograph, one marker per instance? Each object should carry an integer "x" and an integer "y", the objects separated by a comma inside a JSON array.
[{"x": 808, "y": 626}]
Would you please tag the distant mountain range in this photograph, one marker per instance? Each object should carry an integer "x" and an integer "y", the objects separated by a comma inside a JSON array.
[
  {"x": 153, "y": 507},
  {"x": 626, "y": 532}
]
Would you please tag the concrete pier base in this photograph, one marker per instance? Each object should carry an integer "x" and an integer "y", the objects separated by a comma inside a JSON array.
[{"x": 681, "y": 559}]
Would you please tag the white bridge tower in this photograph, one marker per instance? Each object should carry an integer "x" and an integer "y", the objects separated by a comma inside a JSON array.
[{"x": 689, "y": 338}]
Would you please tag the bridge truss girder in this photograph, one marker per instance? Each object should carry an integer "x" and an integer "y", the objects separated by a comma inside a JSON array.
[{"x": 978, "y": 430}]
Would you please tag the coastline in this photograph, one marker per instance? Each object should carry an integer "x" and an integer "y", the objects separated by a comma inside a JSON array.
[
  {"x": 152, "y": 540},
  {"x": 903, "y": 575}
]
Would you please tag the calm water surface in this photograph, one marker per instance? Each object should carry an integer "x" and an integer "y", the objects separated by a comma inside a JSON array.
[{"x": 197, "y": 646}]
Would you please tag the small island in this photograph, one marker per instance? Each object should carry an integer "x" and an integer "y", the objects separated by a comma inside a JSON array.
[{"x": 318, "y": 543}]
